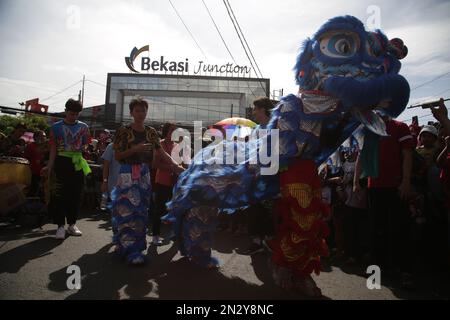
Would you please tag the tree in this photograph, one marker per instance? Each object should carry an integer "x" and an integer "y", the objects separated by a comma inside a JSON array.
[{"x": 32, "y": 122}]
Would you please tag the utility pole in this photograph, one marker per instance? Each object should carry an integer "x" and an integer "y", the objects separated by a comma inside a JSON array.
[
  {"x": 279, "y": 95},
  {"x": 82, "y": 92}
]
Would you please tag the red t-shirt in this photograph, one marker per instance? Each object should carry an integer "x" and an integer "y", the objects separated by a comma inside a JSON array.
[
  {"x": 164, "y": 177},
  {"x": 36, "y": 157},
  {"x": 390, "y": 155}
]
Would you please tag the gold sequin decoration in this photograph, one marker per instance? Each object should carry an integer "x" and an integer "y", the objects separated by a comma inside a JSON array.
[{"x": 301, "y": 192}]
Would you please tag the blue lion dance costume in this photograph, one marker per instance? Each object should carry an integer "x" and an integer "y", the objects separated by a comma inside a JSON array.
[{"x": 344, "y": 72}]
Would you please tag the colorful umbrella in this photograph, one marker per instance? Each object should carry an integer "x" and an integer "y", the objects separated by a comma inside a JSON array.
[
  {"x": 240, "y": 127},
  {"x": 237, "y": 122}
]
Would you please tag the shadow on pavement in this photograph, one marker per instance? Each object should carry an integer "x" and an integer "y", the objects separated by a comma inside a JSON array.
[
  {"x": 12, "y": 233},
  {"x": 13, "y": 260},
  {"x": 428, "y": 284},
  {"x": 106, "y": 276},
  {"x": 225, "y": 242},
  {"x": 103, "y": 216}
]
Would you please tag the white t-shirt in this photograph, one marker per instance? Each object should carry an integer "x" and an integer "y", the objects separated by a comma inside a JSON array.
[{"x": 354, "y": 199}]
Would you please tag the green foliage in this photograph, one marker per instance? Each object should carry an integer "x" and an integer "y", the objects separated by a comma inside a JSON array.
[{"x": 32, "y": 122}]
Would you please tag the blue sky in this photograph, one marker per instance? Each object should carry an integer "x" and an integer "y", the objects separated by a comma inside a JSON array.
[{"x": 47, "y": 45}]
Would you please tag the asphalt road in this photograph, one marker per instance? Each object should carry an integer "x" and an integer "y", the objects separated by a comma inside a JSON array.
[{"x": 33, "y": 265}]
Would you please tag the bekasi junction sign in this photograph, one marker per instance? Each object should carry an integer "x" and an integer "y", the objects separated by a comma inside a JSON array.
[{"x": 162, "y": 65}]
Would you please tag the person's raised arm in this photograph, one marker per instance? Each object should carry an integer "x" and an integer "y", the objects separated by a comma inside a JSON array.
[
  {"x": 162, "y": 160},
  {"x": 138, "y": 148},
  {"x": 441, "y": 114}
]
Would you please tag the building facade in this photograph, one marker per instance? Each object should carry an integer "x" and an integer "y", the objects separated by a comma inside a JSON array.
[{"x": 181, "y": 99}]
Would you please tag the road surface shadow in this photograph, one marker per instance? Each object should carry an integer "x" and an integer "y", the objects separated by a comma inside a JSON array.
[
  {"x": 12, "y": 232},
  {"x": 98, "y": 216},
  {"x": 13, "y": 260},
  {"x": 106, "y": 276},
  {"x": 226, "y": 242},
  {"x": 428, "y": 284},
  {"x": 260, "y": 263}
]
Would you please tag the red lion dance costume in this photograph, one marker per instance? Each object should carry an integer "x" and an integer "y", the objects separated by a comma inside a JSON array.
[{"x": 300, "y": 236}]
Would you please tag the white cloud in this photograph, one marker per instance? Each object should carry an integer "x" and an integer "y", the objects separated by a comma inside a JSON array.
[{"x": 43, "y": 50}]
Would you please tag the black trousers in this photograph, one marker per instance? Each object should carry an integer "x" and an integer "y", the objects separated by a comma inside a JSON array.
[
  {"x": 163, "y": 194},
  {"x": 35, "y": 186},
  {"x": 390, "y": 230},
  {"x": 66, "y": 197},
  {"x": 260, "y": 221},
  {"x": 355, "y": 228}
]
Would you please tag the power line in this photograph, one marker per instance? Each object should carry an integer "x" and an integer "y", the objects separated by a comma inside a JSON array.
[
  {"x": 13, "y": 102},
  {"x": 63, "y": 99},
  {"x": 420, "y": 117},
  {"x": 245, "y": 40},
  {"x": 442, "y": 92},
  {"x": 4, "y": 108},
  {"x": 25, "y": 85},
  {"x": 40, "y": 88},
  {"x": 59, "y": 92},
  {"x": 428, "y": 82},
  {"x": 436, "y": 95},
  {"x": 190, "y": 33},
  {"x": 98, "y": 83},
  {"x": 217, "y": 28},
  {"x": 223, "y": 40},
  {"x": 240, "y": 39},
  {"x": 245, "y": 50}
]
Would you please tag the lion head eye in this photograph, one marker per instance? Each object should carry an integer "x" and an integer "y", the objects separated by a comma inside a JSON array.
[{"x": 339, "y": 44}]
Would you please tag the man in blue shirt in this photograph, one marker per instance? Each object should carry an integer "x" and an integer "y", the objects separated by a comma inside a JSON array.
[
  {"x": 110, "y": 169},
  {"x": 67, "y": 140}
]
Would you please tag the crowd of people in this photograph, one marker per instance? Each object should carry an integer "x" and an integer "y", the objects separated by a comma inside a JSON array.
[{"x": 393, "y": 212}]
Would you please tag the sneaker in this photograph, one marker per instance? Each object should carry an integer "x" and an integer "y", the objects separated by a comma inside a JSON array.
[
  {"x": 60, "y": 233},
  {"x": 157, "y": 241},
  {"x": 253, "y": 248},
  {"x": 74, "y": 231}
]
